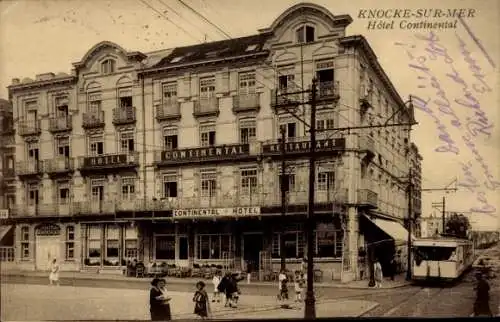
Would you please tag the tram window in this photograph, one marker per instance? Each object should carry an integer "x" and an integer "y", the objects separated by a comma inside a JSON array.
[{"x": 435, "y": 253}]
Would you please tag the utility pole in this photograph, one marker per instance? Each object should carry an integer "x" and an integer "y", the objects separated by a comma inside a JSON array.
[
  {"x": 310, "y": 309},
  {"x": 283, "y": 196},
  {"x": 410, "y": 220},
  {"x": 443, "y": 214}
]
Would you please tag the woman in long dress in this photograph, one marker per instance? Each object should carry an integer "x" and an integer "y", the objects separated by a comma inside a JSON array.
[
  {"x": 54, "y": 273},
  {"x": 378, "y": 274},
  {"x": 159, "y": 305}
]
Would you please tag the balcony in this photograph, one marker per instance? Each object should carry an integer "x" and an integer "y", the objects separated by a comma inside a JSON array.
[
  {"x": 285, "y": 96},
  {"x": 29, "y": 168},
  {"x": 94, "y": 208},
  {"x": 59, "y": 166},
  {"x": 365, "y": 97},
  {"x": 29, "y": 127},
  {"x": 124, "y": 115},
  {"x": 206, "y": 106},
  {"x": 367, "y": 145},
  {"x": 367, "y": 198},
  {"x": 213, "y": 154},
  {"x": 93, "y": 120},
  {"x": 9, "y": 173},
  {"x": 169, "y": 110},
  {"x": 107, "y": 163},
  {"x": 7, "y": 142},
  {"x": 60, "y": 124},
  {"x": 246, "y": 103},
  {"x": 328, "y": 92}
]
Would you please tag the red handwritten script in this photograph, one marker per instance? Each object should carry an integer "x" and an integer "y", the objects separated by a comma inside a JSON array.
[{"x": 452, "y": 100}]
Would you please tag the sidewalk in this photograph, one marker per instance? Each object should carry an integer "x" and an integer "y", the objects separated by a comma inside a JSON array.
[
  {"x": 399, "y": 280},
  {"x": 84, "y": 303}
]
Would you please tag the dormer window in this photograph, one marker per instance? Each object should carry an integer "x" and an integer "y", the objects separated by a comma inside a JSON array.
[
  {"x": 108, "y": 66},
  {"x": 305, "y": 34}
]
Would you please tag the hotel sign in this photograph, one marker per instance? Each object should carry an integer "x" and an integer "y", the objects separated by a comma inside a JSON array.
[
  {"x": 213, "y": 152},
  {"x": 104, "y": 160},
  {"x": 48, "y": 230},
  {"x": 217, "y": 212},
  {"x": 305, "y": 146},
  {"x": 4, "y": 213}
]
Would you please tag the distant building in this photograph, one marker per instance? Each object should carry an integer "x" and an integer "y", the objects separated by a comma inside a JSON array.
[
  {"x": 415, "y": 160},
  {"x": 7, "y": 177},
  {"x": 431, "y": 226},
  {"x": 173, "y": 156}
]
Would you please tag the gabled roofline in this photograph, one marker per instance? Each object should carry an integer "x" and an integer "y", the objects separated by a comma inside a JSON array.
[{"x": 92, "y": 51}]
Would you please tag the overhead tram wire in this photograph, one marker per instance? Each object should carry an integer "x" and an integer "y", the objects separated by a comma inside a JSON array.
[
  {"x": 168, "y": 19},
  {"x": 231, "y": 38},
  {"x": 187, "y": 20}
]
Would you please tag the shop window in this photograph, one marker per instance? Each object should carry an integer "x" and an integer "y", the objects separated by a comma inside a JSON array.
[
  {"x": 165, "y": 247},
  {"x": 131, "y": 239},
  {"x": 70, "y": 243},
  {"x": 25, "y": 242},
  {"x": 328, "y": 241},
  {"x": 294, "y": 244},
  {"x": 112, "y": 245},
  {"x": 94, "y": 244},
  {"x": 213, "y": 246}
]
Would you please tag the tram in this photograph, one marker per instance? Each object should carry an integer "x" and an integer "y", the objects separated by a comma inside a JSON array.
[{"x": 444, "y": 259}]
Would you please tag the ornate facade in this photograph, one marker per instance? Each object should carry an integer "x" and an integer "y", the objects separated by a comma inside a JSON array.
[{"x": 173, "y": 156}]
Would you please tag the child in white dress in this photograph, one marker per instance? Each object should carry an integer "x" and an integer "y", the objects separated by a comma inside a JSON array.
[{"x": 54, "y": 272}]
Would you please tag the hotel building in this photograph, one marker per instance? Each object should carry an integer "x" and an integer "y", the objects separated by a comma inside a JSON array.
[{"x": 173, "y": 156}]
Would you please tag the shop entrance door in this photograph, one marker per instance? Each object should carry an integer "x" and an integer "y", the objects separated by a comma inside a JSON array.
[
  {"x": 183, "y": 251},
  {"x": 47, "y": 248},
  {"x": 252, "y": 246}
]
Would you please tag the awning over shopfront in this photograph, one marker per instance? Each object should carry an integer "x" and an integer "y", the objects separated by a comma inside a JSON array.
[
  {"x": 392, "y": 228},
  {"x": 4, "y": 230}
]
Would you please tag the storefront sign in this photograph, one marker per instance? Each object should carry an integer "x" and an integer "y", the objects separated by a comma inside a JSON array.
[
  {"x": 105, "y": 160},
  {"x": 218, "y": 212},
  {"x": 4, "y": 213},
  {"x": 48, "y": 230},
  {"x": 218, "y": 152},
  {"x": 305, "y": 146}
]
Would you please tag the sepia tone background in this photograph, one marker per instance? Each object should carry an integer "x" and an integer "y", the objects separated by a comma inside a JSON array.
[{"x": 38, "y": 36}]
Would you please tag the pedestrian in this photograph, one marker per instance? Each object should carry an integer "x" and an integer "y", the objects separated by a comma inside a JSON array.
[
  {"x": 249, "y": 271},
  {"x": 216, "y": 281},
  {"x": 392, "y": 267},
  {"x": 235, "y": 295},
  {"x": 482, "y": 303},
  {"x": 377, "y": 268},
  {"x": 201, "y": 303},
  {"x": 282, "y": 286},
  {"x": 299, "y": 286},
  {"x": 226, "y": 287},
  {"x": 159, "y": 303},
  {"x": 54, "y": 273}
]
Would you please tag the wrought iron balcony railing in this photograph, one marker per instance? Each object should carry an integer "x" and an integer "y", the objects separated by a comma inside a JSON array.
[
  {"x": 169, "y": 110},
  {"x": 124, "y": 115},
  {"x": 60, "y": 123},
  {"x": 246, "y": 102},
  {"x": 367, "y": 198},
  {"x": 206, "y": 106},
  {"x": 93, "y": 120},
  {"x": 59, "y": 165},
  {"x": 29, "y": 127},
  {"x": 30, "y": 167}
]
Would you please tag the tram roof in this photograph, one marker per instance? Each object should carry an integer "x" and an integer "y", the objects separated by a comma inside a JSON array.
[{"x": 441, "y": 242}]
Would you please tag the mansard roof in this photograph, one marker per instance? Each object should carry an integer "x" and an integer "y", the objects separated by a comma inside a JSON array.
[{"x": 243, "y": 46}]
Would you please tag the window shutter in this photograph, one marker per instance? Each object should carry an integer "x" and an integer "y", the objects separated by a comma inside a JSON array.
[
  {"x": 233, "y": 82},
  {"x": 222, "y": 82},
  {"x": 236, "y": 181},
  {"x": 159, "y": 185},
  {"x": 195, "y": 86},
  {"x": 184, "y": 86},
  {"x": 157, "y": 91},
  {"x": 196, "y": 182},
  {"x": 219, "y": 180},
  {"x": 40, "y": 193}
]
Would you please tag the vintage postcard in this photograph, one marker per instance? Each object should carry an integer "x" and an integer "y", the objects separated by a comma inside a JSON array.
[{"x": 227, "y": 159}]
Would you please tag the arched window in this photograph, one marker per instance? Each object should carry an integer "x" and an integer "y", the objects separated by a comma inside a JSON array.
[
  {"x": 108, "y": 66},
  {"x": 305, "y": 34}
]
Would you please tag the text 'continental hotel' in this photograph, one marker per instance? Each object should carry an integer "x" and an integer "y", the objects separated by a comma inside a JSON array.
[{"x": 174, "y": 156}]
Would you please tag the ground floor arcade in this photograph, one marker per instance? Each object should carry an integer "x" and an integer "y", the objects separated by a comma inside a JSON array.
[{"x": 341, "y": 248}]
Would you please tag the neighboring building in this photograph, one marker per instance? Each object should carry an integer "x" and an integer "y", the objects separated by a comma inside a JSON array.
[
  {"x": 7, "y": 178},
  {"x": 172, "y": 156},
  {"x": 431, "y": 226},
  {"x": 416, "y": 166}
]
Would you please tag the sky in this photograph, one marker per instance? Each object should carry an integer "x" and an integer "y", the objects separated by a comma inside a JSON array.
[{"x": 452, "y": 73}]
